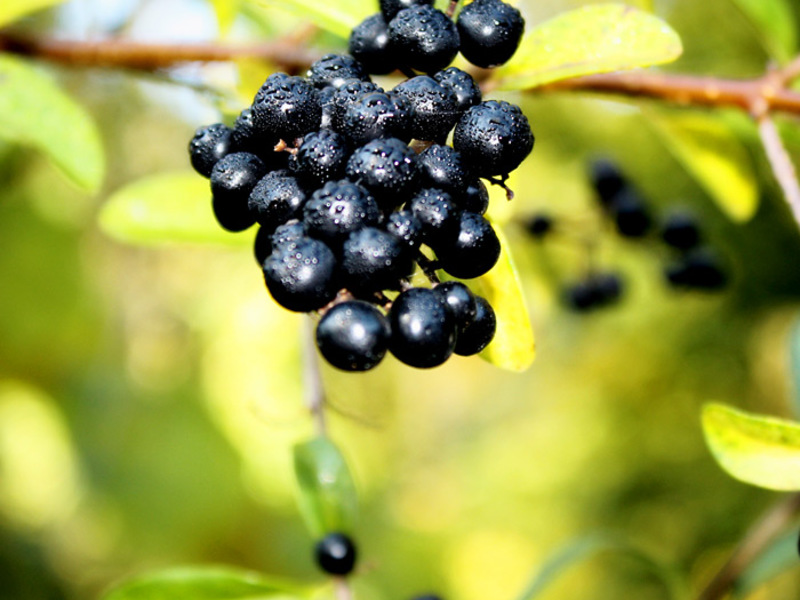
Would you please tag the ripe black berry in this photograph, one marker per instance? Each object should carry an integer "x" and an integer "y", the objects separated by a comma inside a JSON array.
[
  {"x": 334, "y": 69},
  {"x": 630, "y": 213},
  {"x": 369, "y": 45},
  {"x": 680, "y": 231},
  {"x": 390, "y": 8},
  {"x": 374, "y": 260},
  {"x": 321, "y": 157},
  {"x": 493, "y": 138},
  {"x": 287, "y": 107},
  {"x": 423, "y": 329},
  {"x": 262, "y": 247},
  {"x": 607, "y": 179},
  {"x": 376, "y": 115},
  {"x": 301, "y": 276},
  {"x": 288, "y": 234},
  {"x": 208, "y": 146},
  {"x": 490, "y": 31},
  {"x": 438, "y": 215},
  {"x": 463, "y": 85},
  {"x": 433, "y": 107},
  {"x": 460, "y": 300},
  {"x": 539, "y": 225},
  {"x": 353, "y": 336},
  {"x": 387, "y": 168},
  {"x": 335, "y": 554},
  {"x": 595, "y": 291},
  {"x": 337, "y": 209},
  {"x": 232, "y": 180},
  {"x": 275, "y": 199},
  {"x": 346, "y": 95},
  {"x": 475, "y": 198},
  {"x": 697, "y": 269},
  {"x": 474, "y": 251},
  {"x": 247, "y": 138},
  {"x": 441, "y": 167},
  {"x": 477, "y": 335},
  {"x": 406, "y": 227},
  {"x": 423, "y": 38}
]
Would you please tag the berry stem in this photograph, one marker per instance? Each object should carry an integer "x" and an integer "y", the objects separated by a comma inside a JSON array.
[
  {"x": 342, "y": 589},
  {"x": 451, "y": 9},
  {"x": 312, "y": 380},
  {"x": 502, "y": 183},
  {"x": 428, "y": 267}
]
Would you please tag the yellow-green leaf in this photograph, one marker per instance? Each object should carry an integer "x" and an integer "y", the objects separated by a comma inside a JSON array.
[
  {"x": 165, "y": 208},
  {"x": 326, "y": 493},
  {"x": 226, "y": 11},
  {"x": 592, "y": 39},
  {"x": 513, "y": 346},
  {"x": 11, "y": 10},
  {"x": 338, "y": 17},
  {"x": 714, "y": 156},
  {"x": 774, "y": 22},
  {"x": 35, "y": 112},
  {"x": 757, "y": 449},
  {"x": 205, "y": 583}
]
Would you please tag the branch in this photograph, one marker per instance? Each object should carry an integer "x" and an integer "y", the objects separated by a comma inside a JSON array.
[{"x": 781, "y": 164}]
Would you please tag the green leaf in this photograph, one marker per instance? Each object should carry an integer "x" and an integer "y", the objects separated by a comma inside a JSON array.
[
  {"x": 774, "y": 22},
  {"x": 794, "y": 364},
  {"x": 587, "y": 547},
  {"x": 513, "y": 346},
  {"x": 35, "y": 112},
  {"x": 205, "y": 583},
  {"x": 714, "y": 155},
  {"x": 11, "y": 10},
  {"x": 592, "y": 39},
  {"x": 327, "y": 495},
  {"x": 338, "y": 17},
  {"x": 226, "y": 11},
  {"x": 165, "y": 208},
  {"x": 760, "y": 450},
  {"x": 778, "y": 557}
]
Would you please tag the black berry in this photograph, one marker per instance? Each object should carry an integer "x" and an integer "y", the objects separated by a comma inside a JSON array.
[
  {"x": 335, "y": 69},
  {"x": 209, "y": 144},
  {"x": 423, "y": 38},
  {"x": 390, "y": 8},
  {"x": 337, "y": 209},
  {"x": 441, "y": 167},
  {"x": 539, "y": 225},
  {"x": 475, "y": 198},
  {"x": 374, "y": 260},
  {"x": 406, "y": 227},
  {"x": 438, "y": 215},
  {"x": 490, "y": 31},
  {"x": 287, "y": 107},
  {"x": 423, "y": 329},
  {"x": 301, "y": 276},
  {"x": 262, "y": 247},
  {"x": 369, "y": 45},
  {"x": 433, "y": 107},
  {"x": 321, "y": 157},
  {"x": 680, "y": 231},
  {"x": 335, "y": 554},
  {"x": 288, "y": 234},
  {"x": 474, "y": 251},
  {"x": 346, "y": 95},
  {"x": 353, "y": 336},
  {"x": 477, "y": 335},
  {"x": 630, "y": 213},
  {"x": 275, "y": 199},
  {"x": 463, "y": 85},
  {"x": 387, "y": 168},
  {"x": 699, "y": 269},
  {"x": 606, "y": 179},
  {"x": 460, "y": 300},
  {"x": 232, "y": 180},
  {"x": 376, "y": 115}
]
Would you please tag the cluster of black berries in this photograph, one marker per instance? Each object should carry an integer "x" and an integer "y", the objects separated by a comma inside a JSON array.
[{"x": 354, "y": 186}]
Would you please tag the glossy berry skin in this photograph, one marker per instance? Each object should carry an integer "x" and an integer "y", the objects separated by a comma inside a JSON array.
[
  {"x": 232, "y": 180},
  {"x": 353, "y": 336},
  {"x": 390, "y": 8},
  {"x": 493, "y": 138},
  {"x": 406, "y": 227},
  {"x": 346, "y": 95},
  {"x": 376, "y": 115},
  {"x": 477, "y": 335},
  {"x": 606, "y": 179},
  {"x": 679, "y": 230},
  {"x": 288, "y": 234},
  {"x": 697, "y": 269},
  {"x": 374, "y": 260},
  {"x": 423, "y": 38},
  {"x": 301, "y": 276},
  {"x": 209, "y": 144},
  {"x": 246, "y": 138},
  {"x": 441, "y": 167},
  {"x": 387, "y": 168},
  {"x": 630, "y": 214},
  {"x": 463, "y": 85},
  {"x": 490, "y": 32},
  {"x": 325, "y": 97},
  {"x": 369, "y": 45},
  {"x": 287, "y": 107},
  {"x": 475, "y": 250},
  {"x": 460, "y": 300},
  {"x": 320, "y": 158},
  {"x": 335, "y": 554},
  {"x": 433, "y": 107},
  {"x": 423, "y": 329},
  {"x": 275, "y": 199},
  {"x": 475, "y": 198},
  {"x": 337, "y": 209},
  {"x": 334, "y": 70},
  {"x": 262, "y": 246},
  {"x": 438, "y": 215}
]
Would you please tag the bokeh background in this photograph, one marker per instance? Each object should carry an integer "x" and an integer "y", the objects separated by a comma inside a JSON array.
[{"x": 150, "y": 396}]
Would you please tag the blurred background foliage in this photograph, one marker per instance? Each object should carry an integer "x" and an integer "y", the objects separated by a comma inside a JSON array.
[{"x": 150, "y": 396}]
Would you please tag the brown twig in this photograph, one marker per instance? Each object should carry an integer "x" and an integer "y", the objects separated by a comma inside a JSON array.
[
  {"x": 771, "y": 524},
  {"x": 781, "y": 164}
]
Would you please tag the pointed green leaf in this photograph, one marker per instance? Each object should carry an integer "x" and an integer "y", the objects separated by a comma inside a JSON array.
[
  {"x": 11, "y": 10},
  {"x": 760, "y": 450},
  {"x": 592, "y": 39},
  {"x": 587, "y": 547},
  {"x": 711, "y": 152},
  {"x": 205, "y": 583},
  {"x": 338, "y": 17},
  {"x": 35, "y": 112},
  {"x": 775, "y": 24},
  {"x": 326, "y": 492},
  {"x": 165, "y": 208},
  {"x": 513, "y": 346},
  {"x": 778, "y": 557}
]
